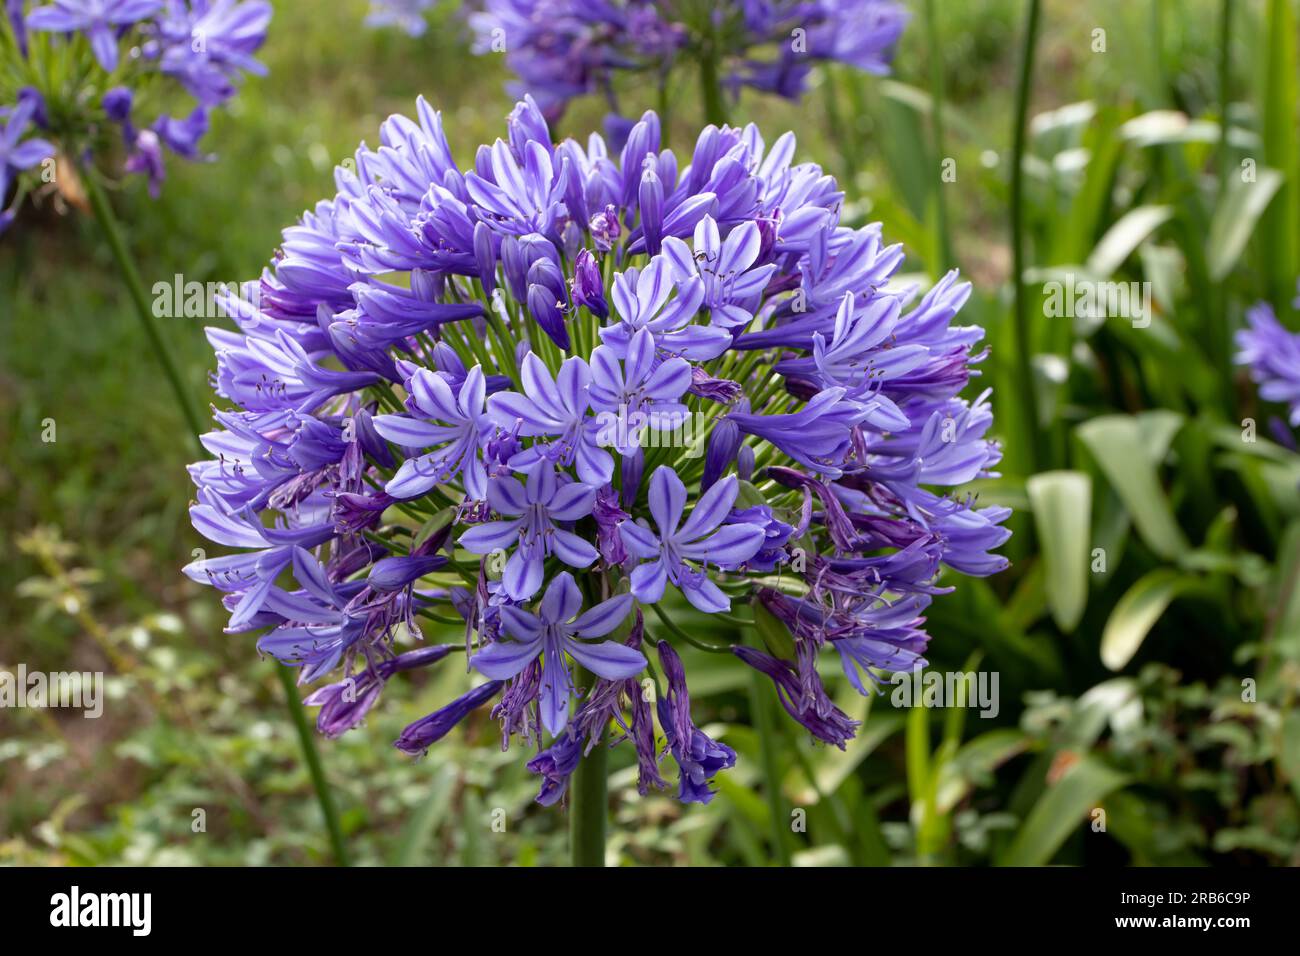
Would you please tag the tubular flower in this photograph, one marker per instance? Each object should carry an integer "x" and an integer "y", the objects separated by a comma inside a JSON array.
[
  {"x": 713, "y": 392},
  {"x": 562, "y": 49},
  {"x": 116, "y": 50}
]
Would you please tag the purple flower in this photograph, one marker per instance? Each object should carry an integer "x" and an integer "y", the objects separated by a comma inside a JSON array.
[
  {"x": 556, "y": 765},
  {"x": 699, "y": 539},
  {"x": 1273, "y": 356},
  {"x": 418, "y": 737},
  {"x": 207, "y": 44},
  {"x": 345, "y": 704},
  {"x": 453, "y": 423},
  {"x": 555, "y": 407},
  {"x": 642, "y": 302},
  {"x": 699, "y": 756},
  {"x": 636, "y": 394},
  {"x": 720, "y": 285},
  {"x": 99, "y": 20},
  {"x": 555, "y": 633},
  {"x": 533, "y": 510},
  {"x": 17, "y": 154},
  {"x": 821, "y": 717},
  {"x": 406, "y": 15}
]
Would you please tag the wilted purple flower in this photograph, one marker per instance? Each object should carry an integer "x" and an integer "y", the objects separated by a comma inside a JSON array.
[
  {"x": 345, "y": 704},
  {"x": 699, "y": 756}
]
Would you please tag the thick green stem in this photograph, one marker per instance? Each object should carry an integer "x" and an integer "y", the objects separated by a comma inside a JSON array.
[
  {"x": 715, "y": 105},
  {"x": 308, "y": 744},
  {"x": 108, "y": 224},
  {"x": 760, "y": 703},
  {"x": 942, "y": 240},
  {"x": 588, "y": 803},
  {"x": 1028, "y": 394}
]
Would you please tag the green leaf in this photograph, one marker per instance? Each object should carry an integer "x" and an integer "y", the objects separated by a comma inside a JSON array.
[
  {"x": 1136, "y": 613},
  {"x": 1235, "y": 216},
  {"x": 1064, "y": 806},
  {"x": 424, "y": 822},
  {"x": 1118, "y": 444},
  {"x": 1278, "y": 229},
  {"x": 1062, "y": 504},
  {"x": 1121, "y": 239}
]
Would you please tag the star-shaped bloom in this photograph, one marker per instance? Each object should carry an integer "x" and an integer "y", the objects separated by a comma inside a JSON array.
[
  {"x": 555, "y": 407},
  {"x": 732, "y": 287},
  {"x": 642, "y": 301},
  {"x": 557, "y": 632},
  {"x": 639, "y": 392},
  {"x": 677, "y": 544},
  {"x": 534, "y": 509},
  {"x": 457, "y": 423}
]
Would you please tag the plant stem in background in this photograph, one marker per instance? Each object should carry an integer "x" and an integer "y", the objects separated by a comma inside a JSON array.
[
  {"x": 766, "y": 731},
  {"x": 314, "y": 767},
  {"x": 1028, "y": 394},
  {"x": 1225, "y": 67},
  {"x": 942, "y": 240},
  {"x": 589, "y": 803},
  {"x": 126, "y": 266},
  {"x": 715, "y": 106},
  {"x": 112, "y": 230}
]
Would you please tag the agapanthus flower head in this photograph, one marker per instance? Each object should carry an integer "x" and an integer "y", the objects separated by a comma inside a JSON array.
[
  {"x": 563, "y": 49},
  {"x": 545, "y": 393},
  {"x": 104, "y": 102}
]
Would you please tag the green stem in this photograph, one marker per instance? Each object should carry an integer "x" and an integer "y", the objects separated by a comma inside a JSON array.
[
  {"x": 1225, "y": 82},
  {"x": 589, "y": 804},
  {"x": 1024, "y": 366},
  {"x": 308, "y": 745},
  {"x": 715, "y": 106},
  {"x": 108, "y": 224},
  {"x": 760, "y": 704},
  {"x": 942, "y": 240}
]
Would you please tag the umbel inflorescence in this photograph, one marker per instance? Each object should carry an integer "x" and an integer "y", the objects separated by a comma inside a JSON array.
[{"x": 543, "y": 395}]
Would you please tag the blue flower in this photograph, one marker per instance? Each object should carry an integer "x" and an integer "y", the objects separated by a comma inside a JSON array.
[
  {"x": 699, "y": 539},
  {"x": 555, "y": 633},
  {"x": 533, "y": 510}
]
